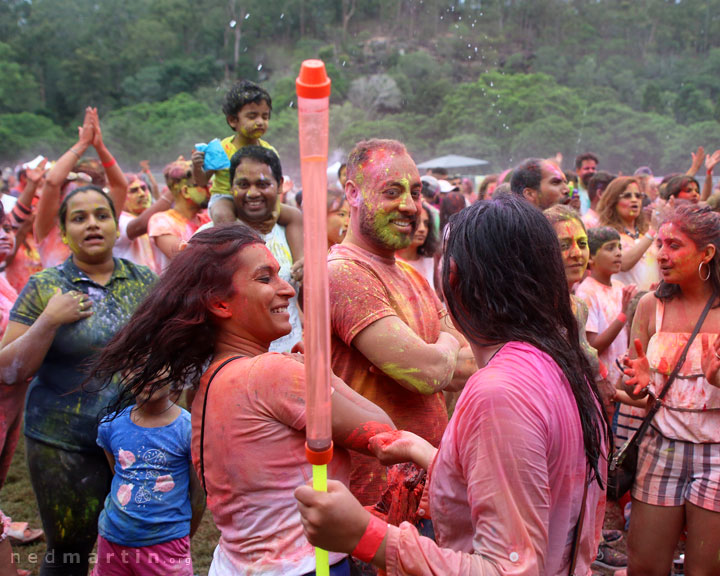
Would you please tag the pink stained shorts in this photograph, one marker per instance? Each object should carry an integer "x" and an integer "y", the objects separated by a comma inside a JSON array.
[{"x": 166, "y": 559}]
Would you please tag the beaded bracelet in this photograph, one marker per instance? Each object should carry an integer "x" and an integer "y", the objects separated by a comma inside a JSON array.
[{"x": 371, "y": 540}]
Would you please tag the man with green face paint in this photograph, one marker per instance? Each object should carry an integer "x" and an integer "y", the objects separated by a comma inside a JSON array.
[{"x": 392, "y": 340}]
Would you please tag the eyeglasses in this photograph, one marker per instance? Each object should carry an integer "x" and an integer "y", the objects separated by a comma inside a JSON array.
[{"x": 628, "y": 195}]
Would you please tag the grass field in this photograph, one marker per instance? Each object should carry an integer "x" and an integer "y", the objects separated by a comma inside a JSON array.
[{"x": 18, "y": 501}]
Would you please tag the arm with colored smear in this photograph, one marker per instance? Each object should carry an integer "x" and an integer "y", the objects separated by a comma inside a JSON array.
[
  {"x": 636, "y": 363},
  {"x": 292, "y": 219},
  {"x": 162, "y": 233},
  {"x": 168, "y": 244},
  {"x": 632, "y": 255},
  {"x": 34, "y": 180},
  {"x": 355, "y": 419},
  {"x": 392, "y": 346},
  {"x": 466, "y": 365},
  {"x": 502, "y": 460}
]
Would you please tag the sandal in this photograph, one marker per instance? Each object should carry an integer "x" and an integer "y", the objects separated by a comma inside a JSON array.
[{"x": 20, "y": 534}]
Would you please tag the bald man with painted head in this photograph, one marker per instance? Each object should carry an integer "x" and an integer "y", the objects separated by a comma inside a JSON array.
[
  {"x": 391, "y": 338},
  {"x": 540, "y": 182}
]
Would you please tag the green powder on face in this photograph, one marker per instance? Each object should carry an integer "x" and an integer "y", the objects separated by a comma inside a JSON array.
[{"x": 387, "y": 233}]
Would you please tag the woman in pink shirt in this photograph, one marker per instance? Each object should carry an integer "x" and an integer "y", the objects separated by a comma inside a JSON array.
[
  {"x": 221, "y": 302},
  {"x": 524, "y": 452}
]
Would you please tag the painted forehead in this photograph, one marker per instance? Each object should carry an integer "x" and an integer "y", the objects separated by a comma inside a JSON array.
[
  {"x": 570, "y": 229},
  {"x": 550, "y": 170},
  {"x": 91, "y": 196},
  {"x": 385, "y": 164}
]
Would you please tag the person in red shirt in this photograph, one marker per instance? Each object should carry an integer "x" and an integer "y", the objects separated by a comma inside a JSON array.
[{"x": 391, "y": 339}]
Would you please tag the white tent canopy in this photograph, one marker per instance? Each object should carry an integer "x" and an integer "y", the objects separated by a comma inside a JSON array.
[{"x": 452, "y": 161}]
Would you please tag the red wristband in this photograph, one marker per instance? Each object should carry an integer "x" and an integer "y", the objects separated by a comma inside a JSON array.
[
  {"x": 371, "y": 540},
  {"x": 709, "y": 172},
  {"x": 110, "y": 163},
  {"x": 622, "y": 317}
]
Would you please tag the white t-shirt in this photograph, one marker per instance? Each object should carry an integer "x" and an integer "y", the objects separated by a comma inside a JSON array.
[
  {"x": 604, "y": 304},
  {"x": 141, "y": 250}
]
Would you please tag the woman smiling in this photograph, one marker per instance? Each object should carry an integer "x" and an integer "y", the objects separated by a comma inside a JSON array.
[{"x": 222, "y": 300}]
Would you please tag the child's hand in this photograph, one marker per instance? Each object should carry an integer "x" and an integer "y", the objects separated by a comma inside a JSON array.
[
  {"x": 297, "y": 270},
  {"x": 197, "y": 159},
  {"x": 628, "y": 293},
  {"x": 638, "y": 370}
]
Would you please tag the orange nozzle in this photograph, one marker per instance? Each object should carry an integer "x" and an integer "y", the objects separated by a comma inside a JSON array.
[
  {"x": 313, "y": 81},
  {"x": 319, "y": 458}
]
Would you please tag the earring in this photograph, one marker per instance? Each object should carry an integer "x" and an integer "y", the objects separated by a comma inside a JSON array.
[{"x": 700, "y": 271}]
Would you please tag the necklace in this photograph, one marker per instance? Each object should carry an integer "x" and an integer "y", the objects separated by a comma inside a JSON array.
[{"x": 634, "y": 235}]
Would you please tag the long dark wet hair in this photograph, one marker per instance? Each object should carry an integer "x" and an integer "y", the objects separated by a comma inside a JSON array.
[
  {"x": 509, "y": 268},
  {"x": 171, "y": 335}
]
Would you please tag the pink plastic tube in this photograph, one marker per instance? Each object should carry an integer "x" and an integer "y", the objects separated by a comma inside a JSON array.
[{"x": 313, "y": 91}]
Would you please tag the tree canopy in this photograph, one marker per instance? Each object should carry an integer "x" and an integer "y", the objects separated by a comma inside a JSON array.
[{"x": 636, "y": 81}]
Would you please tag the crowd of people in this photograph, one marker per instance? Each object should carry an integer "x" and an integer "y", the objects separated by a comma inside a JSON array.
[{"x": 492, "y": 346}]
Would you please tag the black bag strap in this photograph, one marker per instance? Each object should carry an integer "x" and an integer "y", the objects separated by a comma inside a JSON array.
[
  {"x": 640, "y": 432},
  {"x": 578, "y": 528},
  {"x": 202, "y": 420}
]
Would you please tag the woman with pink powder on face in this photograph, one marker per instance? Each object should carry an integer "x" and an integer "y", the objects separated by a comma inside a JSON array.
[
  {"x": 222, "y": 300},
  {"x": 677, "y": 482}
]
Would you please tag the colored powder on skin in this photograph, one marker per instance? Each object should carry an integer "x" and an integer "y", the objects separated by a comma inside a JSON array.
[
  {"x": 390, "y": 437},
  {"x": 401, "y": 374},
  {"x": 385, "y": 233},
  {"x": 399, "y": 502},
  {"x": 360, "y": 437}
]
